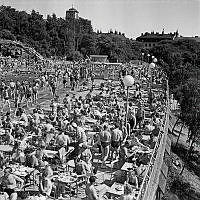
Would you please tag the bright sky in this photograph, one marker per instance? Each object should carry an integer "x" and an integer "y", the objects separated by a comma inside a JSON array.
[{"x": 131, "y": 17}]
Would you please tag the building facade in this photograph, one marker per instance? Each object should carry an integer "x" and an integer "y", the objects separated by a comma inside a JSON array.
[{"x": 152, "y": 39}]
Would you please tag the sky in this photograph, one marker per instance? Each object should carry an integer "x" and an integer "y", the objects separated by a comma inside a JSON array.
[{"x": 131, "y": 17}]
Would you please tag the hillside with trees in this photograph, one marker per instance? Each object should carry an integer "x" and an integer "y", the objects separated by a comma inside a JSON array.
[{"x": 55, "y": 36}]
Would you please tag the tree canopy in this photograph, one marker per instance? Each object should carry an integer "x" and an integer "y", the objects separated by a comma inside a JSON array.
[
  {"x": 55, "y": 36},
  {"x": 180, "y": 59}
]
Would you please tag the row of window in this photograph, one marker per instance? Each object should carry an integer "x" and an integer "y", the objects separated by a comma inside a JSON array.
[{"x": 149, "y": 44}]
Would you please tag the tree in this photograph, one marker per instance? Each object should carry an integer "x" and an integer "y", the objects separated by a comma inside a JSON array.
[
  {"x": 6, "y": 34},
  {"x": 55, "y": 36},
  {"x": 88, "y": 43},
  {"x": 76, "y": 55}
]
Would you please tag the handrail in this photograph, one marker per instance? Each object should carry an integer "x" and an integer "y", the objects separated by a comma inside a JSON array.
[{"x": 147, "y": 181}]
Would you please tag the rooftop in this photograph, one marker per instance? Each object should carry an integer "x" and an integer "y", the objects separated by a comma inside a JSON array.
[
  {"x": 157, "y": 36},
  {"x": 73, "y": 10},
  {"x": 196, "y": 38}
]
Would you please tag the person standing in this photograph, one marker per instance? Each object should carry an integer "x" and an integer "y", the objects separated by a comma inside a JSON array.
[
  {"x": 6, "y": 98},
  {"x": 64, "y": 80},
  {"x": 105, "y": 138},
  {"x": 35, "y": 90},
  {"x": 116, "y": 139},
  {"x": 12, "y": 89}
]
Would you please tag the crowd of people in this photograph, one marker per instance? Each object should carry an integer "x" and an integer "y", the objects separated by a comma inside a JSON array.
[
  {"x": 80, "y": 134},
  {"x": 19, "y": 89}
]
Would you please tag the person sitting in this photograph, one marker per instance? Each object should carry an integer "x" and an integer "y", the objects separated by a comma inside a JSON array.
[
  {"x": 132, "y": 178},
  {"x": 90, "y": 190},
  {"x": 9, "y": 139},
  {"x": 81, "y": 167},
  {"x": 49, "y": 136},
  {"x": 48, "y": 170},
  {"x": 19, "y": 156},
  {"x": 37, "y": 157},
  {"x": 3, "y": 160},
  {"x": 8, "y": 183},
  {"x": 133, "y": 145},
  {"x": 18, "y": 131},
  {"x": 45, "y": 184},
  {"x": 7, "y": 123},
  {"x": 86, "y": 156},
  {"x": 36, "y": 117},
  {"x": 127, "y": 193},
  {"x": 141, "y": 171},
  {"x": 23, "y": 118}
]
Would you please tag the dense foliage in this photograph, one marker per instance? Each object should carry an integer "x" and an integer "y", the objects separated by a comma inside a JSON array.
[
  {"x": 181, "y": 61},
  {"x": 70, "y": 38}
]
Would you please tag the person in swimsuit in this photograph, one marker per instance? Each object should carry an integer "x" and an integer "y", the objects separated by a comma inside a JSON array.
[
  {"x": 105, "y": 138},
  {"x": 132, "y": 178},
  {"x": 9, "y": 183},
  {"x": 128, "y": 193},
  {"x": 90, "y": 190},
  {"x": 116, "y": 139},
  {"x": 45, "y": 184}
]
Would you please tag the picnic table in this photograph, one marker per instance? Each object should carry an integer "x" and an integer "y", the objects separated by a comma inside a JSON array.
[
  {"x": 67, "y": 178},
  {"x": 21, "y": 170}
]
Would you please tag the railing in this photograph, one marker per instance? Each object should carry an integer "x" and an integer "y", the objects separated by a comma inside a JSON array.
[{"x": 150, "y": 182}]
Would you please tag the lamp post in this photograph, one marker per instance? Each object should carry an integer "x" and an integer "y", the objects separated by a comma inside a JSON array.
[
  {"x": 142, "y": 57},
  {"x": 151, "y": 68},
  {"x": 152, "y": 57},
  {"x": 148, "y": 55},
  {"x": 128, "y": 82},
  {"x": 155, "y": 60}
]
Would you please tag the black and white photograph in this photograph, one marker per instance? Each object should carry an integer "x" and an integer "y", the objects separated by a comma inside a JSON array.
[{"x": 99, "y": 99}]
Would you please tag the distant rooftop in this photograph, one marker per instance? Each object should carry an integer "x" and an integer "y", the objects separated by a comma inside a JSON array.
[
  {"x": 196, "y": 38},
  {"x": 156, "y": 37}
]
